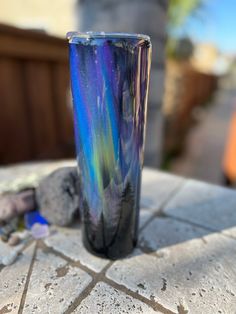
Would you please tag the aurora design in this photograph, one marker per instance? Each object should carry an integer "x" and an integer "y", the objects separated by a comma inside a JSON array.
[{"x": 109, "y": 80}]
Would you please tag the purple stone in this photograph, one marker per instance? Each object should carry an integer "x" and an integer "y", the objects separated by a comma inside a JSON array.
[{"x": 40, "y": 231}]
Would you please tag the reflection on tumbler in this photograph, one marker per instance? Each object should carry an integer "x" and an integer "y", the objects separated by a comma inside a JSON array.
[{"x": 109, "y": 79}]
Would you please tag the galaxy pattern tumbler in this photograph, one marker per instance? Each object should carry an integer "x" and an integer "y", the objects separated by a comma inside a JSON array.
[{"x": 109, "y": 81}]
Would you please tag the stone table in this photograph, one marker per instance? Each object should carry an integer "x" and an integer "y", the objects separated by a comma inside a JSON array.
[{"x": 185, "y": 261}]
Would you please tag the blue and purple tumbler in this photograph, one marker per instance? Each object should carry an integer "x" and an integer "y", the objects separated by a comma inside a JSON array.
[{"x": 109, "y": 81}]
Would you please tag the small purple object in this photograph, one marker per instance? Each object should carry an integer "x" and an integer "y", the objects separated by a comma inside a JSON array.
[
  {"x": 40, "y": 231},
  {"x": 34, "y": 217}
]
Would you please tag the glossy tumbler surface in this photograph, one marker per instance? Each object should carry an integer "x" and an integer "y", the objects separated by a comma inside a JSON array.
[{"x": 109, "y": 80}]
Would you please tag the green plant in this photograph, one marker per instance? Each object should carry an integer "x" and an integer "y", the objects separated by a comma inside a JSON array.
[
  {"x": 178, "y": 13},
  {"x": 180, "y": 10}
]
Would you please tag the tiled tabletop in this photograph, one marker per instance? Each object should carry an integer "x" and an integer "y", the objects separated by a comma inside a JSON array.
[{"x": 185, "y": 261}]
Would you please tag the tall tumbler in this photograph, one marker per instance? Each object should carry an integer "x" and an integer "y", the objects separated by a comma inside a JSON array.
[{"x": 109, "y": 80}]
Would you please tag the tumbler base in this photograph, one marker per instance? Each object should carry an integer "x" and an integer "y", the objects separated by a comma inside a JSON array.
[{"x": 113, "y": 252}]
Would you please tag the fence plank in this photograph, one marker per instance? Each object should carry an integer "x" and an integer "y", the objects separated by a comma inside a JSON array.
[
  {"x": 14, "y": 129},
  {"x": 40, "y": 102},
  {"x": 31, "y": 45}
]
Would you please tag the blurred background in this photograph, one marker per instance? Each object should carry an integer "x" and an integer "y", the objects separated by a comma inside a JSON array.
[{"x": 191, "y": 129}]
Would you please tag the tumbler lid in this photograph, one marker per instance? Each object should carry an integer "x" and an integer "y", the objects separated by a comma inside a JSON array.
[{"x": 104, "y": 35}]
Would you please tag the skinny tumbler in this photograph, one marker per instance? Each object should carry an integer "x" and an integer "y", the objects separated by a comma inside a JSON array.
[{"x": 109, "y": 82}]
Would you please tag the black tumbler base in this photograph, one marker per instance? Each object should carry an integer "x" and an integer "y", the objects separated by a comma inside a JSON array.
[{"x": 113, "y": 252}]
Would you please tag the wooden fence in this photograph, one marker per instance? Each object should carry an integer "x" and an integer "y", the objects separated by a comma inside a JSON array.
[
  {"x": 35, "y": 109},
  {"x": 35, "y": 103},
  {"x": 186, "y": 89}
]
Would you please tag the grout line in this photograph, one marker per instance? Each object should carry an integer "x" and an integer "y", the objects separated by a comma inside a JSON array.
[
  {"x": 23, "y": 298},
  {"x": 49, "y": 249},
  {"x": 1, "y": 267},
  {"x": 159, "y": 211},
  {"x": 191, "y": 223},
  {"x": 81, "y": 297},
  {"x": 96, "y": 277},
  {"x": 212, "y": 230},
  {"x": 153, "y": 304},
  {"x": 27, "y": 244}
]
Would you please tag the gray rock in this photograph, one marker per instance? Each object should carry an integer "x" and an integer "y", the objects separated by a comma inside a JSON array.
[
  {"x": 8, "y": 228},
  {"x": 57, "y": 196}
]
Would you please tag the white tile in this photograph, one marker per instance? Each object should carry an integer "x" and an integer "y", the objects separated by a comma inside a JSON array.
[
  {"x": 208, "y": 205},
  {"x": 53, "y": 285},
  {"x": 185, "y": 268},
  {"x": 69, "y": 242},
  {"x": 105, "y": 299},
  {"x": 12, "y": 283},
  {"x": 158, "y": 187}
]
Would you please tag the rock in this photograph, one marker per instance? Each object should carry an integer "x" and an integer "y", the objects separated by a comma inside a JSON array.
[
  {"x": 57, "y": 196},
  {"x": 14, "y": 240},
  {"x": 7, "y": 208},
  {"x": 8, "y": 228},
  {"x": 23, "y": 235},
  {"x": 40, "y": 231},
  {"x": 12, "y": 205},
  {"x": 4, "y": 237},
  {"x": 25, "y": 201}
]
